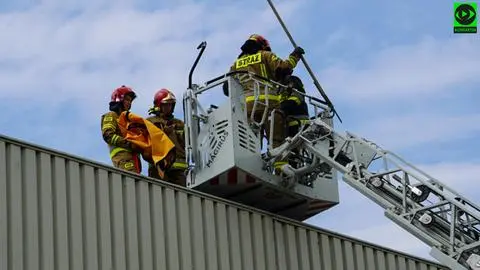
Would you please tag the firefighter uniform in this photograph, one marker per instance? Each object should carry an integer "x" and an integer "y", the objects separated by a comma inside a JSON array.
[
  {"x": 265, "y": 63},
  {"x": 294, "y": 106},
  {"x": 121, "y": 152},
  {"x": 257, "y": 57},
  {"x": 174, "y": 128}
]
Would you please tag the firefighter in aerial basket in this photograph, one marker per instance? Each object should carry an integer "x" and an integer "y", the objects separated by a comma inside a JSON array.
[
  {"x": 258, "y": 58},
  {"x": 293, "y": 104}
]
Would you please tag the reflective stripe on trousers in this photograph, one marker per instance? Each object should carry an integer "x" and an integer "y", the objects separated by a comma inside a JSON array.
[
  {"x": 262, "y": 97},
  {"x": 116, "y": 150},
  {"x": 179, "y": 165},
  {"x": 279, "y": 164},
  {"x": 298, "y": 122}
]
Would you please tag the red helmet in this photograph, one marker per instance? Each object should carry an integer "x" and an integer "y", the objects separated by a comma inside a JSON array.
[
  {"x": 119, "y": 94},
  {"x": 163, "y": 96},
  {"x": 261, "y": 40}
]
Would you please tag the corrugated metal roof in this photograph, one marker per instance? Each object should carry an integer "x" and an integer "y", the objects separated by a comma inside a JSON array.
[{"x": 63, "y": 212}]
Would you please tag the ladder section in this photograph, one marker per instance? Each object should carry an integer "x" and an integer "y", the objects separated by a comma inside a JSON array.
[{"x": 421, "y": 204}]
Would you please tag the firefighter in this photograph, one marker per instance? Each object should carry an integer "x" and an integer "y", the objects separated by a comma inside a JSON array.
[
  {"x": 294, "y": 106},
  {"x": 124, "y": 155},
  {"x": 257, "y": 57},
  {"x": 163, "y": 106}
]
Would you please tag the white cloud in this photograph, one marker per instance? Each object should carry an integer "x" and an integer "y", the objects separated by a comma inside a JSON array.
[
  {"x": 459, "y": 176},
  {"x": 400, "y": 131},
  {"x": 144, "y": 49},
  {"x": 406, "y": 71}
]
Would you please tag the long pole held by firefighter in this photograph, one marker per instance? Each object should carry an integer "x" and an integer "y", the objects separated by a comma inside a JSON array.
[{"x": 315, "y": 81}]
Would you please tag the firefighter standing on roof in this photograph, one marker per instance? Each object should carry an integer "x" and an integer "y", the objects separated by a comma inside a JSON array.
[
  {"x": 258, "y": 58},
  {"x": 164, "y": 104},
  {"x": 123, "y": 154}
]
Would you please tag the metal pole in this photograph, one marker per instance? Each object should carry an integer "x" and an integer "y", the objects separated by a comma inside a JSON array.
[
  {"x": 315, "y": 81},
  {"x": 200, "y": 47}
]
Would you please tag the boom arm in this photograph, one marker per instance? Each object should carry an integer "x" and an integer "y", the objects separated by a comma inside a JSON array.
[{"x": 419, "y": 203}]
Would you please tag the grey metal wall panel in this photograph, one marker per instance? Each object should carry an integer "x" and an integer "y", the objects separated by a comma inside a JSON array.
[{"x": 63, "y": 212}]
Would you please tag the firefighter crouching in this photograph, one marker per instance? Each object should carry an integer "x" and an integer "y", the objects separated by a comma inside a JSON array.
[
  {"x": 257, "y": 57},
  {"x": 163, "y": 106},
  {"x": 124, "y": 155},
  {"x": 294, "y": 106}
]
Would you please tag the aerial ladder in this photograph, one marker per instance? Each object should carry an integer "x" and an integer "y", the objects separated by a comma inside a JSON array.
[{"x": 228, "y": 159}]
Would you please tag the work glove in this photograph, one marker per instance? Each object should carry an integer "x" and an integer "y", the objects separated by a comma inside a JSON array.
[{"x": 298, "y": 52}]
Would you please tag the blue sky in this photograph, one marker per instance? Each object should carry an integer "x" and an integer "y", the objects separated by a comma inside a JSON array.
[{"x": 394, "y": 69}]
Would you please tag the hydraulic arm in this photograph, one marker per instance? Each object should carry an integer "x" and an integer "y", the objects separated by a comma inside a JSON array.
[
  {"x": 419, "y": 203},
  {"x": 225, "y": 159}
]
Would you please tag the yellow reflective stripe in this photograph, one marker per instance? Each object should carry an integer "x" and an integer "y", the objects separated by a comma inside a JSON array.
[
  {"x": 105, "y": 126},
  {"x": 115, "y": 138},
  {"x": 296, "y": 99},
  {"x": 108, "y": 119},
  {"x": 179, "y": 165},
  {"x": 279, "y": 164},
  {"x": 116, "y": 150},
  {"x": 262, "y": 97},
  {"x": 129, "y": 165},
  {"x": 292, "y": 61},
  {"x": 296, "y": 122},
  {"x": 109, "y": 126},
  {"x": 248, "y": 60},
  {"x": 263, "y": 70},
  {"x": 179, "y": 131}
]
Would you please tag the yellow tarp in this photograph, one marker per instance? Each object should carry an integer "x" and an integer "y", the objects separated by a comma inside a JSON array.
[{"x": 154, "y": 143}]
